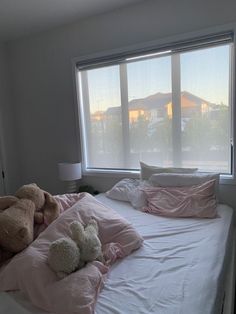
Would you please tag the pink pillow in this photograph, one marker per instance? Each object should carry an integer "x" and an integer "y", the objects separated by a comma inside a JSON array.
[
  {"x": 76, "y": 293},
  {"x": 189, "y": 201}
]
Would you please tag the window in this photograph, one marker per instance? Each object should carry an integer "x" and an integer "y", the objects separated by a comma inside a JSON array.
[{"x": 169, "y": 107}]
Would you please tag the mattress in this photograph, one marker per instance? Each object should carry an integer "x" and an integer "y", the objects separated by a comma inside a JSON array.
[{"x": 181, "y": 267}]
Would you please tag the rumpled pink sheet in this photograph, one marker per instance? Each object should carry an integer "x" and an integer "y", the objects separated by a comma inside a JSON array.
[
  {"x": 189, "y": 201},
  {"x": 29, "y": 272},
  {"x": 67, "y": 200}
]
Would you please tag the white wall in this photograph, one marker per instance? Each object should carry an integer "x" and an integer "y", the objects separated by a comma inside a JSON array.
[
  {"x": 43, "y": 88},
  {"x": 8, "y": 143}
]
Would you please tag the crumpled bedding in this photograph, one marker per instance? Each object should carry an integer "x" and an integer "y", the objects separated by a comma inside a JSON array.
[
  {"x": 29, "y": 272},
  {"x": 180, "y": 268}
]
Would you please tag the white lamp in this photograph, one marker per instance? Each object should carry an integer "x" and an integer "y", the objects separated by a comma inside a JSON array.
[{"x": 70, "y": 172}]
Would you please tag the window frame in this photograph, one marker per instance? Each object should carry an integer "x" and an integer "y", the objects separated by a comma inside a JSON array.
[{"x": 159, "y": 44}]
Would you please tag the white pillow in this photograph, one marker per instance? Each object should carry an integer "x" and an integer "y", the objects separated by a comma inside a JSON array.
[
  {"x": 119, "y": 190},
  {"x": 183, "y": 179},
  {"x": 137, "y": 197},
  {"x": 129, "y": 190},
  {"x": 146, "y": 170}
]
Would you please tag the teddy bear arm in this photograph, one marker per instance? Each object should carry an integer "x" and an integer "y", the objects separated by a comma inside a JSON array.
[{"x": 7, "y": 201}]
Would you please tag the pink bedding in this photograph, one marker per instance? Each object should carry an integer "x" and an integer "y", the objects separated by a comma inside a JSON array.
[
  {"x": 77, "y": 293},
  {"x": 67, "y": 200},
  {"x": 186, "y": 201}
]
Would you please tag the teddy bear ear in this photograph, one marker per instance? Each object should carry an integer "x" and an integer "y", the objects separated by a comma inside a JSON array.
[
  {"x": 92, "y": 222},
  {"x": 51, "y": 208},
  {"x": 77, "y": 227},
  {"x": 77, "y": 231}
]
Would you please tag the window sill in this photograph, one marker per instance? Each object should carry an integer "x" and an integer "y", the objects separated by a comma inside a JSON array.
[
  {"x": 227, "y": 179},
  {"x": 112, "y": 173},
  {"x": 224, "y": 179}
]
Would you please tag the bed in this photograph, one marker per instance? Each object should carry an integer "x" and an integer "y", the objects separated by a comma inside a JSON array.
[{"x": 184, "y": 266}]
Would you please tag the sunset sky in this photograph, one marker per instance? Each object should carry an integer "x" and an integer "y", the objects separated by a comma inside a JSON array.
[{"x": 204, "y": 73}]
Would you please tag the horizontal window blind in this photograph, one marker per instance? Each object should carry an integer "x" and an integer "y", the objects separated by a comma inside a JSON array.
[{"x": 180, "y": 46}]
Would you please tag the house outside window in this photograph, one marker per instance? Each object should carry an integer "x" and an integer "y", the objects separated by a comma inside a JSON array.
[{"x": 168, "y": 108}]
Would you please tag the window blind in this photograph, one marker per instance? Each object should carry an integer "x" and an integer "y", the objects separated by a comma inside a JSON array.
[{"x": 180, "y": 46}]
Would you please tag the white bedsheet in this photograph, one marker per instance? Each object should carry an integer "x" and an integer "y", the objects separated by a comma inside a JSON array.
[{"x": 179, "y": 270}]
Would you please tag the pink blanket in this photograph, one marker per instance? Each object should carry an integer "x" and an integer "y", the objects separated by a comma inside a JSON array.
[{"x": 77, "y": 293}]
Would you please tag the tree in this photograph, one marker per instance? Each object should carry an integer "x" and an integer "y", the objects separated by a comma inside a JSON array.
[
  {"x": 139, "y": 138},
  {"x": 207, "y": 135},
  {"x": 161, "y": 139}
]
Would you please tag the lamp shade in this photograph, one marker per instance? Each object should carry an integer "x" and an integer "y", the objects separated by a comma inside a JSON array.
[{"x": 69, "y": 171}]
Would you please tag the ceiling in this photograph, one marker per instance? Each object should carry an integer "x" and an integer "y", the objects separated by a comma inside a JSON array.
[{"x": 24, "y": 17}]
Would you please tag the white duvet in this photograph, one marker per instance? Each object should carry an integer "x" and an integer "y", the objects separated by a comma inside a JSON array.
[{"x": 179, "y": 270}]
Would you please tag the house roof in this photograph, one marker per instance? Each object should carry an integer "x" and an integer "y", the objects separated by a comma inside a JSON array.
[
  {"x": 197, "y": 100},
  {"x": 158, "y": 100},
  {"x": 150, "y": 102}
]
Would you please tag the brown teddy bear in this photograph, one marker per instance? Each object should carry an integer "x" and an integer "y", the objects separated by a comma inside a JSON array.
[
  {"x": 19, "y": 213},
  {"x": 46, "y": 207}
]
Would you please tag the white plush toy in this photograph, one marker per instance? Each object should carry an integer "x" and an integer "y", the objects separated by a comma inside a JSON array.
[
  {"x": 87, "y": 240},
  {"x": 67, "y": 255},
  {"x": 63, "y": 257}
]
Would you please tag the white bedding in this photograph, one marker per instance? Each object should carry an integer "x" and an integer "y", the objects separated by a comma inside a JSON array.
[{"x": 180, "y": 268}]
